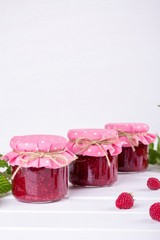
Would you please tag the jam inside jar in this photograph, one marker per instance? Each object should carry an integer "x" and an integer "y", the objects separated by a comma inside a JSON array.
[
  {"x": 93, "y": 171},
  {"x": 129, "y": 161},
  {"x": 40, "y": 184}
]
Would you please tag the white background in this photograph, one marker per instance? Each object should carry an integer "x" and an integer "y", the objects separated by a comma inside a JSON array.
[{"x": 77, "y": 64}]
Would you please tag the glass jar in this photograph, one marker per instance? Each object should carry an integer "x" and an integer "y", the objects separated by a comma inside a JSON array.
[
  {"x": 133, "y": 161},
  {"x": 40, "y": 184},
  {"x": 39, "y": 168},
  {"x": 135, "y": 140},
  {"x": 93, "y": 171},
  {"x": 92, "y": 168}
]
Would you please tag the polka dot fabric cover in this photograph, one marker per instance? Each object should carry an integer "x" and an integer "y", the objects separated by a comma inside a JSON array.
[
  {"x": 136, "y": 128},
  {"x": 38, "y": 143},
  {"x": 94, "y": 134}
]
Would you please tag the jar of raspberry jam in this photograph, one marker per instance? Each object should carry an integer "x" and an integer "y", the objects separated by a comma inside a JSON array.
[
  {"x": 135, "y": 140},
  {"x": 96, "y": 150},
  {"x": 39, "y": 168}
]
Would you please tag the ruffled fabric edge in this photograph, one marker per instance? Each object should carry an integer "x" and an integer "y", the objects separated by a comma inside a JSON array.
[
  {"x": 95, "y": 151},
  {"x": 14, "y": 158},
  {"x": 145, "y": 139}
]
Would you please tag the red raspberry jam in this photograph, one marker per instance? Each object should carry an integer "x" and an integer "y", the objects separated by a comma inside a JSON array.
[
  {"x": 93, "y": 171},
  {"x": 129, "y": 161},
  {"x": 40, "y": 184}
]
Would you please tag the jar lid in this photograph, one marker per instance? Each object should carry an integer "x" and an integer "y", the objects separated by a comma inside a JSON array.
[
  {"x": 34, "y": 143},
  {"x": 44, "y": 151},
  {"x": 113, "y": 146},
  {"x": 138, "y": 131},
  {"x": 94, "y": 134},
  {"x": 129, "y": 127}
]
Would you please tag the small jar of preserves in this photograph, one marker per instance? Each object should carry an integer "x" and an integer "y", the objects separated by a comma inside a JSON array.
[
  {"x": 135, "y": 140},
  {"x": 39, "y": 168},
  {"x": 96, "y": 150}
]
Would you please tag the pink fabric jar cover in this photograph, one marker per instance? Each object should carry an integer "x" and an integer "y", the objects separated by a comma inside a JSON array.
[
  {"x": 39, "y": 143},
  {"x": 136, "y": 128},
  {"x": 94, "y": 134}
]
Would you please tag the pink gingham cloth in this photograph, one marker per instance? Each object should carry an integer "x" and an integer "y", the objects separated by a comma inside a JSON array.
[
  {"x": 39, "y": 143},
  {"x": 136, "y": 128},
  {"x": 94, "y": 134}
]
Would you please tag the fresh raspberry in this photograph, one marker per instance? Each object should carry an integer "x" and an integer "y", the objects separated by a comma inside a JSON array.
[
  {"x": 124, "y": 201},
  {"x": 154, "y": 211},
  {"x": 153, "y": 183}
]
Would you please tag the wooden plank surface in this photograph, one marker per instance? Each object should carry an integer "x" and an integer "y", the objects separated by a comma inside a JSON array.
[{"x": 85, "y": 213}]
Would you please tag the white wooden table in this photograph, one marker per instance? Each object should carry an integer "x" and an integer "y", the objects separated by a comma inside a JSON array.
[{"x": 87, "y": 213}]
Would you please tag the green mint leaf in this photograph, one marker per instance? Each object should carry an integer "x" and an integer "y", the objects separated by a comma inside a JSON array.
[
  {"x": 9, "y": 170},
  {"x": 158, "y": 161},
  {"x": 158, "y": 144},
  {"x": 3, "y": 163},
  {"x": 154, "y": 156},
  {"x": 158, "y": 105},
  {"x": 5, "y": 185},
  {"x": 151, "y": 146},
  {"x": 1, "y": 155}
]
